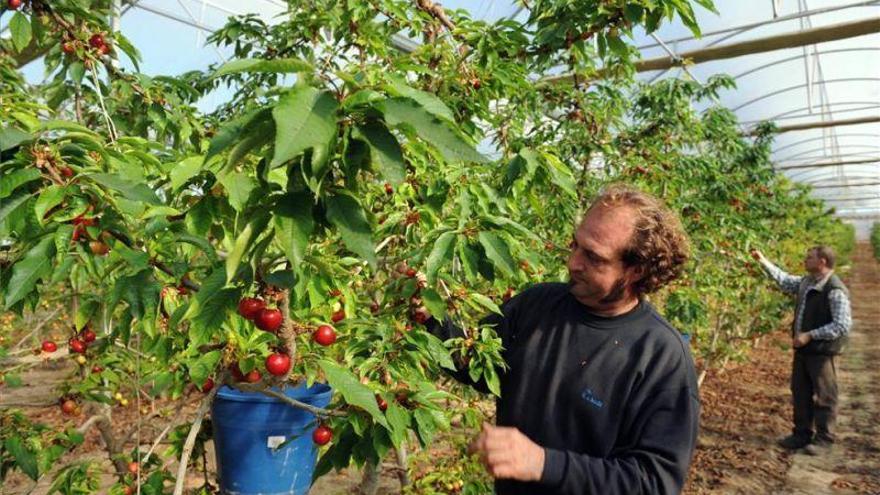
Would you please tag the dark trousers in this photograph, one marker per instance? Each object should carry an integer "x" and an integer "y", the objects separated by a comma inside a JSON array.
[{"x": 814, "y": 395}]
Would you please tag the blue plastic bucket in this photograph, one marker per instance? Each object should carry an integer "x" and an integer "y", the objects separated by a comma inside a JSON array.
[{"x": 263, "y": 445}]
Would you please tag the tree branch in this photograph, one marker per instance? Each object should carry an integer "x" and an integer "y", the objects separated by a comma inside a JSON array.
[{"x": 191, "y": 441}]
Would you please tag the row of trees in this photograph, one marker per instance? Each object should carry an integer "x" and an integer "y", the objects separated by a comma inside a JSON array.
[{"x": 340, "y": 167}]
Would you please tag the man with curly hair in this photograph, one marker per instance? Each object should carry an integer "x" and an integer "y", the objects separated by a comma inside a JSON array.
[{"x": 599, "y": 394}]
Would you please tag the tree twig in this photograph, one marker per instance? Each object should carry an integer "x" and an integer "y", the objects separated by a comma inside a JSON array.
[
  {"x": 191, "y": 441},
  {"x": 36, "y": 329}
]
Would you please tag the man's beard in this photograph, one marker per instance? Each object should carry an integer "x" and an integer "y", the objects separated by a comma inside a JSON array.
[{"x": 617, "y": 292}]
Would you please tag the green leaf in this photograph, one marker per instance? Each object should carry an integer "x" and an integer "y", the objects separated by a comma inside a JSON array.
[
  {"x": 441, "y": 254},
  {"x": 200, "y": 370},
  {"x": 349, "y": 217},
  {"x": 305, "y": 118},
  {"x": 485, "y": 302},
  {"x": 11, "y": 137},
  {"x": 130, "y": 190},
  {"x": 408, "y": 114},
  {"x": 498, "y": 252},
  {"x": 239, "y": 187},
  {"x": 20, "y": 28},
  {"x": 199, "y": 242},
  {"x": 232, "y": 132},
  {"x": 294, "y": 225},
  {"x": 425, "y": 425},
  {"x": 24, "y": 458},
  {"x": 185, "y": 170},
  {"x": 399, "y": 421},
  {"x": 127, "y": 48},
  {"x": 210, "y": 307},
  {"x": 385, "y": 151},
  {"x": 66, "y": 125},
  {"x": 525, "y": 162},
  {"x": 136, "y": 259},
  {"x": 439, "y": 353},
  {"x": 278, "y": 65},
  {"x": 36, "y": 264},
  {"x": 85, "y": 312},
  {"x": 49, "y": 198},
  {"x": 12, "y": 180},
  {"x": 242, "y": 243},
  {"x": 8, "y": 206},
  {"x": 560, "y": 174},
  {"x": 435, "y": 304},
  {"x": 428, "y": 101},
  {"x": 352, "y": 390},
  {"x": 140, "y": 291}
]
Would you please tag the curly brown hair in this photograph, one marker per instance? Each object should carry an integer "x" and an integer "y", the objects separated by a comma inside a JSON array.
[{"x": 659, "y": 246}]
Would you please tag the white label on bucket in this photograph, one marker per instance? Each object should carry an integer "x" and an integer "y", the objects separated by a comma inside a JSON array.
[{"x": 275, "y": 442}]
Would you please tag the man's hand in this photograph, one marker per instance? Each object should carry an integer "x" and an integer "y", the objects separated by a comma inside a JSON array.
[
  {"x": 757, "y": 255},
  {"x": 507, "y": 453},
  {"x": 801, "y": 339}
]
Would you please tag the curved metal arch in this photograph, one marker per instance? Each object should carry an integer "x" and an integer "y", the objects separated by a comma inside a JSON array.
[
  {"x": 819, "y": 178},
  {"x": 787, "y": 115},
  {"x": 737, "y": 30},
  {"x": 817, "y": 138},
  {"x": 804, "y": 85},
  {"x": 815, "y": 150},
  {"x": 796, "y": 176},
  {"x": 873, "y": 159},
  {"x": 800, "y": 57}
]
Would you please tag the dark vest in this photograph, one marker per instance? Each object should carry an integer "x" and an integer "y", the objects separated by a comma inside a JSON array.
[{"x": 817, "y": 312}]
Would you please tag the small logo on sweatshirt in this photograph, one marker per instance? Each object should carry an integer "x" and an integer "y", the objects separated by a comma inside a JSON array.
[{"x": 589, "y": 398}]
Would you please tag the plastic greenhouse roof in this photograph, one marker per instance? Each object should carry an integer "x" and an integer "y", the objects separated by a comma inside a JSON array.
[{"x": 830, "y": 81}]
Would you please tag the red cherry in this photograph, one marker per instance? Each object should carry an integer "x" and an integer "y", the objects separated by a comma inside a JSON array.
[
  {"x": 250, "y": 307},
  {"x": 335, "y": 293},
  {"x": 14, "y": 4},
  {"x": 68, "y": 48},
  {"x": 322, "y": 435},
  {"x": 337, "y": 316},
  {"x": 209, "y": 384},
  {"x": 388, "y": 189},
  {"x": 236, "y": 372},
  {"x": 97, "y": 40},
  {"x": 77, "y": 346},
  {"x": 104, "y": 49},
  {"x": 97, "y": 369},
  {"x": 66, "y": 171},
  {"x": 49, "y": 346},
  {"x": 88, "y": 335},
  {"x": 411, "y": 272},
  {"x": 253, "y": 377},
  {"x": 374, "y": 307},
  {"x": 324, "y": 335},
  {"x": 128, "y": 490},
  {"x": 133, "y": 467},
  {"x": 278, "y": 364},
  {"x": 68, "y": 407},
  {"x": 382, "y": 403},
  {"x": 268, "y": 320}
]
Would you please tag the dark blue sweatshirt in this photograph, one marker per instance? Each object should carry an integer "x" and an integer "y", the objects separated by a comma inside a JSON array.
[{"x": 613, "y": 401}]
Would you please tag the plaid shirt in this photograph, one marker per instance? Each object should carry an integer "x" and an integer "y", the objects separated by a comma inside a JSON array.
[{"x": 841, "y": 314}]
